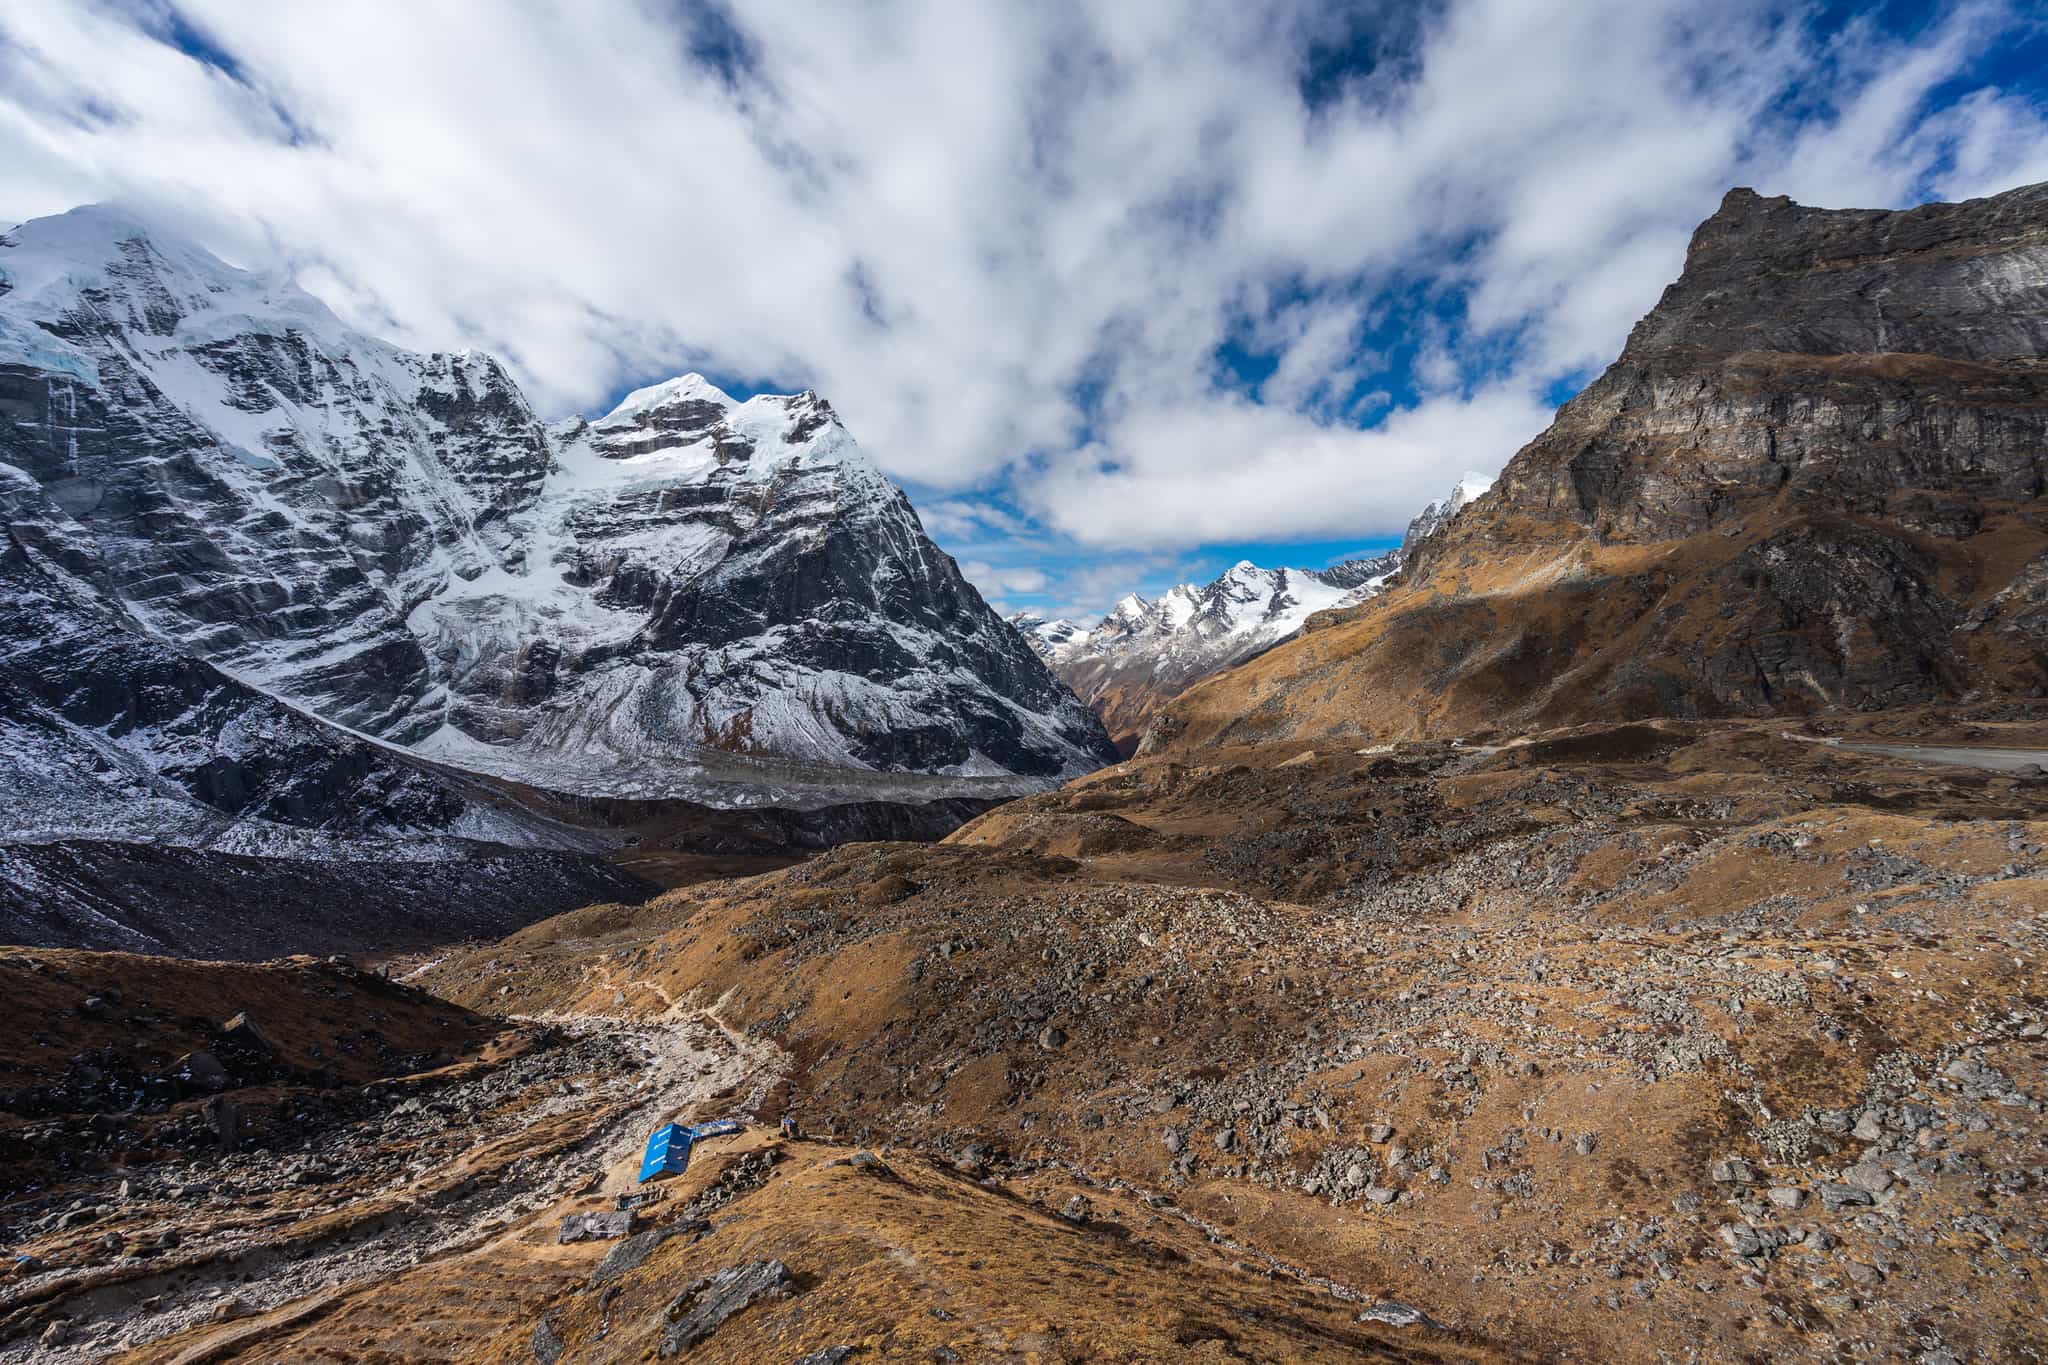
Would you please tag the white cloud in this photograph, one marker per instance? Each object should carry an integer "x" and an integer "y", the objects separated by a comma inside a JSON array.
[
  {"x": 1227, "y": 469},
  {"x": 992, "y": 580},
  {"x": 1008, "y": 239}
]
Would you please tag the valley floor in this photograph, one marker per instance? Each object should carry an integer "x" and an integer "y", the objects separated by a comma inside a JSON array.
[{"x": 1627, "y": 1043}]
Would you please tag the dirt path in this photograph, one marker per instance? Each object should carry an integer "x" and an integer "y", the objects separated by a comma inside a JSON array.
[
  {"x": 495, "y": 1165},
  {"x": 1998, "y": 760}
]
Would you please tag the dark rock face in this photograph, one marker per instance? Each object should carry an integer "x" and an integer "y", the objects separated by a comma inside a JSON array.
[
  {"x": 1851, "y": 398},
  {"x": 787, "y": 560},
  {"x": 97, "y": 716},
  {"x": 262, "y": 484},
  {"x": 151, "y": 803},
  {"x": 706, "y": 1303}
]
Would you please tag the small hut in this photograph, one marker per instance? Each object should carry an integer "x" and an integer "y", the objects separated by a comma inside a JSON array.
[{"x": 668, "y": 1148}]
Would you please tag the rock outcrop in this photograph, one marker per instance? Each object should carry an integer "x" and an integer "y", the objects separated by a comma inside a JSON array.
[{"x": 1812, "y": 481}]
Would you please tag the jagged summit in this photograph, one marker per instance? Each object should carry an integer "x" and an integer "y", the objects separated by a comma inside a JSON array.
[
  {"x": 682, "y": 389},
  {"x": 1438, "y": 514},
  {"x": 156, "y": 286},
  {"x": 689, "y": 595}
]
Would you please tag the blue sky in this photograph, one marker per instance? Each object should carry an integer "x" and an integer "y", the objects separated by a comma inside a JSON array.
[{"x": 1120, "y": 293}]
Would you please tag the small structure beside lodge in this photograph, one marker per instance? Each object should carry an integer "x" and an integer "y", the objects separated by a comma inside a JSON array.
[{"x": 668, "y": 1149}]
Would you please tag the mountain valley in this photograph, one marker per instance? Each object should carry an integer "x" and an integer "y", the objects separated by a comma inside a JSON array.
[{"x": 1611, "y": 927}]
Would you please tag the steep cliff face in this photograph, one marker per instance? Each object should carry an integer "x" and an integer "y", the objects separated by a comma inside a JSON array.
[
  {"x": 1881, "y": 365},
  {"x": 264, "y": 485},
  {"x": 1812, "y": 480},
  {"x": 689, "y": 597},
  {"x": 150, "y": 802},
  {"x": 731, "y": 588},
  {"x": 105, "y": 732}
]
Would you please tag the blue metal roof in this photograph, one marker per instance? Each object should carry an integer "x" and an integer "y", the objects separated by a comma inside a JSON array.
[{"x": 668, "y": 1147}]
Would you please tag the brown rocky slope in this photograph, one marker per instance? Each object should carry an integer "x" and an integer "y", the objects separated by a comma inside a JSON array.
[
  {"x": 1693, "y": 1040},
  {"x": 1812, "y": 481},
  {"x": 1624, "y": 1041}
]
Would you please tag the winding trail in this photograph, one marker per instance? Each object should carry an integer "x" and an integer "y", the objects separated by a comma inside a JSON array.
[{"x": 504, "y": 1167}]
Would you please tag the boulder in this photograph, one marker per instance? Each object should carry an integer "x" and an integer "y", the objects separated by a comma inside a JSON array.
[
  {"x": 602, "y": 1226},
  {"x": 546, "y": 1343},
  {"x": 201, "y": 1070},
  {"x": 241, "y": 1034},
  {"x": 707, "y": 1303}
]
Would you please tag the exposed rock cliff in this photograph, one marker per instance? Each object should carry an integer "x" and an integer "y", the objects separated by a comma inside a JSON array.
[
  {"x": 1812, "y": 480},
  {"x": 150, "y": 802}
]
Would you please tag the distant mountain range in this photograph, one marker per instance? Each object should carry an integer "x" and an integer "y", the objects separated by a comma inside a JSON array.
[{"x": 1144, "y": 652}]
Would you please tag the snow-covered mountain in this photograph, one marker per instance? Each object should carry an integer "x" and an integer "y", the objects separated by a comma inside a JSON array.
[
  {"x": 150, "y": 802},
  {"x": 1050, "y": 638},
  {"x": 1144, "y": 652},
  {"x": 688, "y": 596},
  {"x": 1207, "y": 626},
  {"x": 1438, "y": 514}
]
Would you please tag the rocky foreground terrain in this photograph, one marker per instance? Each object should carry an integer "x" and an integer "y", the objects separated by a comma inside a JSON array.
[{"x": 1718, "y": 1041}]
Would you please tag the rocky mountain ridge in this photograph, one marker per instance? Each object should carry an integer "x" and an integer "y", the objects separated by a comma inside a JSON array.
[{"x": 1812, "y": 481}]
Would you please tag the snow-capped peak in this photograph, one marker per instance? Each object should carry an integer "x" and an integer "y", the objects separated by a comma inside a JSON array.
[
  {"x": 1197, "y": 628},
  {"x": 1242, "y": 610},
  {"x": 1470, "y": 487},
  {"x": 394, "y": 542},
  {"x": 1434, "y": 517},
  {"x": 684, "y": 388},
  {"x": 1052, "y": 639},
  {"x": 1128, "y": 613},
  {"x": 687, "y": 430},
  {"x": 160, "y": 289}
]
